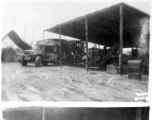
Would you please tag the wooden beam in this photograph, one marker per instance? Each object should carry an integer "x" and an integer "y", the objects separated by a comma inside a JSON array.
[
  {"x": 121, "y": 39},
  {"x": 86, "y": 36},
  {"x": 138, "y": 113},
  {"x": 60, "y": 45}
]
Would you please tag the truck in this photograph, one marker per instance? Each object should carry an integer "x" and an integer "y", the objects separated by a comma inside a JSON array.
[{"x": 44, "y": 52}]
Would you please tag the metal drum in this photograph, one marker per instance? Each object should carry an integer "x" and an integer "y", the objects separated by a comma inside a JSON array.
[{"x": 134, "y": 69}]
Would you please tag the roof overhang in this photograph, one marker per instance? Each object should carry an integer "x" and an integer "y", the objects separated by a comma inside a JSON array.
[{"x": 104, "y": 26}]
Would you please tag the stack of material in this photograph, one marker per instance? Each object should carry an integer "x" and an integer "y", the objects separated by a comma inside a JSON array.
[{"x": 134, "y": 69}]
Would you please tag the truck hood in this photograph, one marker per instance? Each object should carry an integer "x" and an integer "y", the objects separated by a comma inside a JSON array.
[{"x": 29, "y": 52}]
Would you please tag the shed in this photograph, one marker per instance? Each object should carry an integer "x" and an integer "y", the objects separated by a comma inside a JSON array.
[{"x": 119, "y": 24}]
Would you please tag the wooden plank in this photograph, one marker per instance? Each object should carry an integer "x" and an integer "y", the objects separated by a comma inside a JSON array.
[
  {"x": 121, "y": 39},
  {"x": 94, "y": 68},
  {"x": 86, "y": 36}
]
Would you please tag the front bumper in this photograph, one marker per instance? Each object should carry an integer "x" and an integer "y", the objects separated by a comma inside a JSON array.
[{"x": 29, "y": 58}]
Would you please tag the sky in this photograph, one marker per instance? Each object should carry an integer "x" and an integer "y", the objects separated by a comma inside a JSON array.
[{"x": 30, "y": 19}]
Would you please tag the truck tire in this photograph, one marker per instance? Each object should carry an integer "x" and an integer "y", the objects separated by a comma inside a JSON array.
[
  {"x": 24, "y": 62},
  {"x": 38, "y": 61},
  {"x": 45, "y": 63}
]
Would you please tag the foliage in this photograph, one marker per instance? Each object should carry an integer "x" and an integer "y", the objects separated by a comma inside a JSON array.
[{"x": 8, "y": 55}]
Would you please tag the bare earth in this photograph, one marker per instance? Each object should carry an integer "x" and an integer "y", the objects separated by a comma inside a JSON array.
[{"x": 55, "y": 83}]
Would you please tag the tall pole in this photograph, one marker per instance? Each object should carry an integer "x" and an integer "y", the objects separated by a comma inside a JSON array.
[
  {"x": 121, "y": 39},
  {"x": 33, "y": 36},
  {"x": 86, "y": 36},
  {"x": 24, "y": 32},
  {"x": 60, "y": 44},
  {"x": 43, "y": 34}
]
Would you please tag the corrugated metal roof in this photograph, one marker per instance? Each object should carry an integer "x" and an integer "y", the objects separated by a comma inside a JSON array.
[{"x": 103, "y": 26}]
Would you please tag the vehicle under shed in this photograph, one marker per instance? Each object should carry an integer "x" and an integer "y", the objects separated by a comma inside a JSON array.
[{"x": 117, "y": 27}]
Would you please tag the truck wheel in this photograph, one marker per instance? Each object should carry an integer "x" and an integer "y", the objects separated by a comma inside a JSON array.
[
  {"x": 38, "y": 61},
  {"x": 23, "y": 62},
  {"x": 45, "y": 63}
]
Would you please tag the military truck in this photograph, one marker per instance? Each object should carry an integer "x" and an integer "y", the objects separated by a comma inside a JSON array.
[{"x": 45, "y": 51}]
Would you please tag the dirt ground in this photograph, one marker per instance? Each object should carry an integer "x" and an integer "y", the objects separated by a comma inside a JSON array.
[{"x": 55, "y": 83}]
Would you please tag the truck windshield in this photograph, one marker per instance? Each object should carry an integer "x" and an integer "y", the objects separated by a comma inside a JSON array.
[{"x": 39, "y": 47}]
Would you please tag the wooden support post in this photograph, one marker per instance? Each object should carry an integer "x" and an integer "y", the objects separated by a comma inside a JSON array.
[
  {"x": 86, "y": 36},
  {"x": 138, "y": 113},
  {"x": 43, "y": 114},
  {"x": 60, "y": 45},
  {"x": 121, "y": 39}
]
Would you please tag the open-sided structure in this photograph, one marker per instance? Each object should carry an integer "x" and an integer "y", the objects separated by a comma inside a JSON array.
[{"x": 119, "y": 24}]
